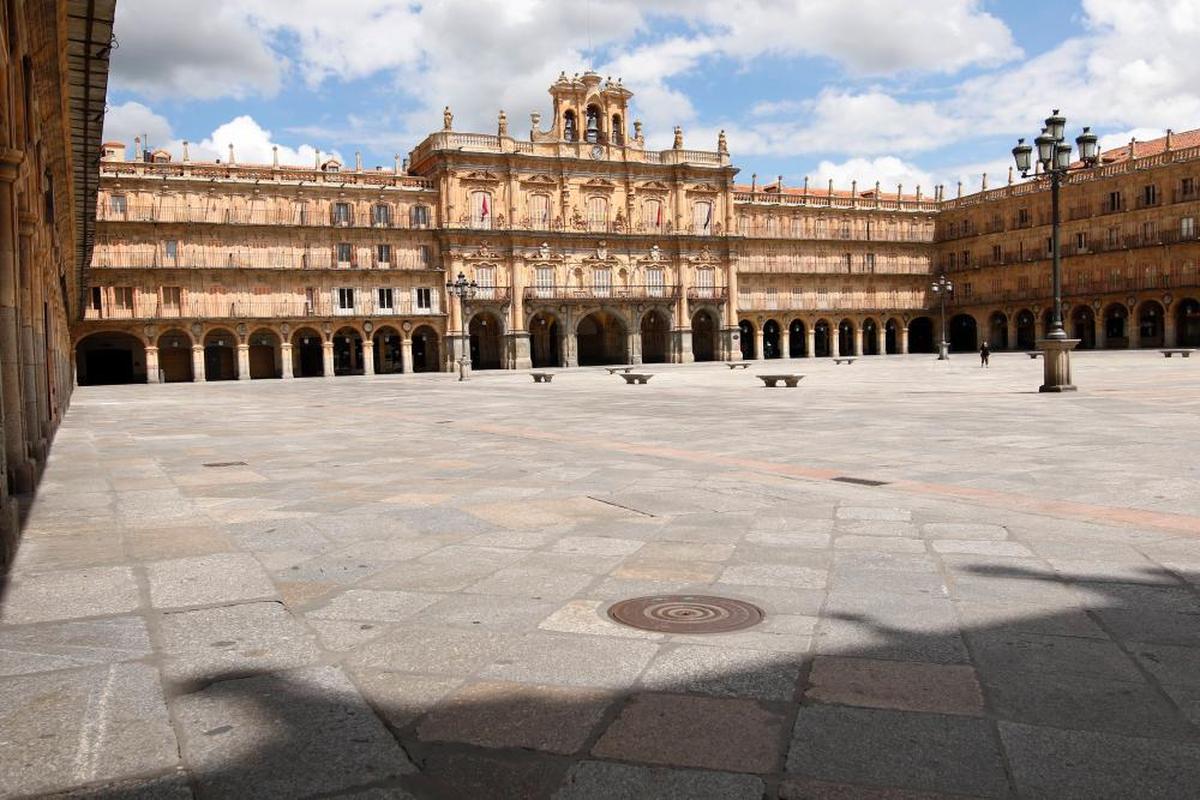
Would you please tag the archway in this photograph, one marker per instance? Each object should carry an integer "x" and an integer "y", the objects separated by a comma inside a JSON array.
[
  {"x": 771, "y": 340},
  {"x": 655, "y": 330},
  {"x": 308, "y": 354},
  {"x": 544, "y": 337},
  {"x": 1026, "y": 330},
  {"x": 704, "y": 336},
  {"x": 1115, "y": 333},
  {"x": 1083, "y": 327},
  {"x": 998, "y": 331},
  {"x": 870, "y": 338},
  {"x": 264, "y": 355},
  {"x": 601, "y": 339},
  {"x": 963, "y": 333},
  {"x": 388, "y": 347},
  {"x": 746, "y": 339},
  {"x": 1150, "y": 324},
  {"x": 175, "y": 357},
  {"x": 425, "y": 350},
  {"x": 110, "y": 357},
  {"x": 485, "y": 336},
  {"x": 220, "y": 355},
  {"x": 920, "y": 336},
  {"x": 1187, "y": 323},
  {"x": 347, "y": 352},
  {"x": 846, "y": 338},
  {"x": 822, "y": 343},
  {"x": 797, "y": 339},
  {"x": 891, "y": 336}
]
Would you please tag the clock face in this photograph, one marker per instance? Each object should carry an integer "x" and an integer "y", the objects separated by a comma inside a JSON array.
[{"x": 597, "y": 151}]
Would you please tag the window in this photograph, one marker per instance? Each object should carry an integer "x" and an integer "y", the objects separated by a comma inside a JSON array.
[
  {"x": 385, "y": 300},
  {"x": 116, "y": 204},
  {"x": 870, "y": 262},
  {"x": 345, "y": 299},
  {"x": 1081, "y": 241},
  {"x": 952, "y": 230},
  {"x": 846, "y": 260},
  {"x": 602, "y": 282},
  {"x": 424, "y": 299},
  {"x": 383, "y": 254},
  {"x": 654, "y": 282},
  {"x": 423, "y": 254},
  {"x": 123, "y": 298},
  {"x": 997, "y": 254},
  {"x": 1148, "y": 232},
  {"x": 171, "y": 299},
  {"x": 539, "y": 211},
  {"x": 820, "y": 229},
  {"x": 772, "y": 297},
  {"x": 966, "y": 289},
  {"x": 1023, "y": 283},
  {"x": 418, "y": 216},
  {"x": 172, "y": 248},
  {"x": 381, "y": 215},
  {"x": 705, "y": 282},
  {"x": 845, "y": 229},
  {"x": 481, "y": 210},
  {"x": 966, "y": 258},
  {"x": 1187, "y": 187},
  {"x": 702, "y": 218},
  {"x": 652, "y": 211},
  {"x": 1114, "y": 201},
  {"x": 597, "y": 213},
  {"x": 96, "y": 301},
  {"x": 341, "y": 213},
  {"x": 1114, "y": 235},
  {"x": 1150, "y": 194},
  {"x": 543, "y": 280},
  {"x": 344, "y": 253},
  {"x": 1187, "y": 228},
  {"x": 485, "y": 277}
]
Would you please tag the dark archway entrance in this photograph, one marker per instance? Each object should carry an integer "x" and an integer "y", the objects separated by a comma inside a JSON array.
[
  {"x": 1026, "y": 330},
  {"x": 1150, "y": 324},
  {"x": 771, "y": 340},
  {"x": 389, "y": 357},
  {"x": 1083, "y": 327},
  {"x": 1187, "y": 323},
  {"x": 347, "y": 352},
  {"x": 601, "y": 338},
  {"x": 264, "y": 355},
  {"x": 746, "y": 339},
  {"x": 821, "y": 339},
  {"x": 485, "y": 334},
  {"x": 797, "y": 339},
  {"x": 175, "y": 357},
  {"x": 704, "y": 336},
  {"x": 308, "y": 358},
  {"x": 998, "y": 331},
  {"x": 544, "y": 337},
  {"x": 104, "y": 359},
  {"x": 846, "y": 338},
  {"x": 964, "y": 336},
  {"x": 870, "y": 338},
  {"x": 1114, "y": 326},
  {"x": 655, "y": 331},
  {"x": 425, "y": 350},
  {"x": 220, "y": 356},
  {"x": 920, "y": 335}
]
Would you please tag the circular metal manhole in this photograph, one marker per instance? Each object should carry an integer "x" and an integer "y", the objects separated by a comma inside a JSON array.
[{"x": 686, "y": 613}]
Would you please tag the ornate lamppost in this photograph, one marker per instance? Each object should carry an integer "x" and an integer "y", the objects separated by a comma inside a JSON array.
[
  {"x": 465, "y": 291},
  {"x": 942, "y": 287},
  {"x": 1054, "y": 156}
]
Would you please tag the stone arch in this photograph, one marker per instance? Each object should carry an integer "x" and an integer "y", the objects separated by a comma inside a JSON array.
[
  {"x": 175, "y": 364},
  {"x": 1026, "y": 330},
  {"x": 920, "y": 335},
  {"x": 797, "y": 339},
  {"x": 387, "y": 350},
  {"x": 771, "y": 339},
  {"x": 601, "y": 337},
  {"x": 845, "y": 334},
  {"x": 704, "y": 335},
  {"x": 822, "y": 338},
  {"x": 746, "y": 338},
  {"x": 426, "y": 350},
  {"x": 1187, "y": 323},
  {"x": 486, "y": 333},
  {"x": 593, "y": 123},
  {"x": 655, "y": 329},
  {"x": 963, "y": 333},
  {"x": 997, "y": 335},
  {"x": 1151, "y": 318},
  {"x": 266, "y": 360},
  {"x": 892, "y": 336},
  {"x": 308, "y": 353},
  {"x": 220, "y": 355},
  {"x": 870, "y": 337},
  {"x": 545, "y": 339},
  {"x": 347, "y": 351},
  {"x": 110, "y": 357},
  {"x": 570, "y": 125},
  {"x": 1116, "y": 325},
  {"x": 1082, "y": 326}
]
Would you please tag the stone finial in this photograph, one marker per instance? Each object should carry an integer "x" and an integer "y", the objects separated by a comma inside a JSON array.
[
  {"x": 899, "y": 190},
  {"x": 806, "y": 184},
  {"x": 678, "y": 143},
  {"x": 317, "y": 159},
  {"x": 831, "y": 187},
  {"x": 186, "y": 158},
  {"x": 404, "y": 166},
  {"x": 959, "y": 189},
  {"x": 854, "y": 188},
  {"x": 754, "y": 182},
  {"x": 502, "y": 123},
  {"x": 1168, "y": 145},
  {"x": 779, "y": 183},
  {"x": 722, "y": 144},
  {"x": 447, "y": 119},
  {"x": 275, "y": 156},
  {"x": 357, "y": 161},
  {"x": 918, "y": 192},
  {"x": 535, "y": 122},
  {"x": 137, "y": 149},
  {"x": 637, "y": 129},
  {"x": 1010, "y": 176},
  {"x": 396, "y": 163},
  {"x": 231, "y": 161},
  {"x": 983, "y": 183},
  {"x": 1132, "y": 146}
]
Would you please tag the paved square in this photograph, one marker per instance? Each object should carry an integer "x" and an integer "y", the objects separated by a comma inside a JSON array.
[{"x": 403, "y": 590}]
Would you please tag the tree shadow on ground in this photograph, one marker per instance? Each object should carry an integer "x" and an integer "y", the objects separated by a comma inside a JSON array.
[{"x": 981, "y": 696}]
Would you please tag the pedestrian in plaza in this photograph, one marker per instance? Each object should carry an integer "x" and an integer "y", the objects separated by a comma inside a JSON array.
[{"x": 984, "y": 352}]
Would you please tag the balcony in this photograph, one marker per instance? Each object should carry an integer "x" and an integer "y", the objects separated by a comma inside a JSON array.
[
  {"x": 222, "y": 307},
  {"x": 591, "y": 294},
  {"x": 119, "y": 257},
  {"x": 186, "y": 214},
  {"x": 708, "y": 293}
]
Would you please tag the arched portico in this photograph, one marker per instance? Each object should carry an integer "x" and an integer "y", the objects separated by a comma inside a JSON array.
[
  {"x": 870, "y": 337},
  {"x": 964, "y": 334},
  {"x": 1083, "y": 327},
  {"x": 704, "y": 336},
  {"x": 746, "y": 337},
  {"x": 1026, "y": 330},
  {"x": 602, "y": 338},
  {"x": 1116, "y": 331},
  {"x": 1151, "y": 319},
  {"x": 220, "y": 355},
  {"x": 308, "y": 353},
  {"x": 265, "y": 354},
  {"x": 822, "y": 339},
  {"x": 1187, "y": 323},
  {"x": 175, "y": 362},
  {"x": 997, "y": 335},
  {"x": 110, "y": 357},
  {"x": 426, "y": 350},
  {"x": 545, "y": 340},
  {"x": 797, "y": 339},
  {"x": 892, "y": 336},
  {"x": 347, "y": 351},
  {"x": 771, "y": 343},
  {"x": 388, "y": 351},
  {"x": 920, "y": 336},
  {"x": 655, "y": 331},
  {"x": 845, "y": 340},
  {"x": 487, "y": 336}
]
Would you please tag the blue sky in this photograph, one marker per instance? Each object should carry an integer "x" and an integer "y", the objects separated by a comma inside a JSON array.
[{"x": 901, "y": 91}]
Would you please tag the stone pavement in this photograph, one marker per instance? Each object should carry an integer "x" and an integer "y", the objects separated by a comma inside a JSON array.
[{"x": 395, "y": 587}]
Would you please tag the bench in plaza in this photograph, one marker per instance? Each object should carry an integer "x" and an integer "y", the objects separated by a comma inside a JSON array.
[
  {"x": 637, "y": 377},
  {"x": 847, "y": 359},
  {"x": 737, "y": 364},
  {"x": 1186, "y": 352},
  {"x": 1034, "y": 353},
  {"x": 542, "y": 377},
  {"x": 613, "y": 370},
  {"x": 788, "y": 380}
]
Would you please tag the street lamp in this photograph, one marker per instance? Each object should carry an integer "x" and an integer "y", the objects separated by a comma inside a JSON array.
[
  {"x": 1054, "y": 157},
  {"x": 941, "y": 287},
  {"x": 465, "y": 291}
]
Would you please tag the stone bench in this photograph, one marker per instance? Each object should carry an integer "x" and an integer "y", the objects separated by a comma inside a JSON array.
[
  {"x": 788, "y": 380},
  {"x": 542, "y": 377},
  {"x": 614, "y": 370},
  {"x": 637, "y": 377},
  {"x": 737, "y": 364},
  {"x": 847, "y": 359},
  {"x": 1186, "y": 352},
  {"x": 1034, "y": 353}
]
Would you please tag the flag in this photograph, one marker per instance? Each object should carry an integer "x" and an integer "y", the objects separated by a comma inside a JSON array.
[
  {"x": 483, "y": 212},
  {"x": 708, "y": 218},
  {"x": 658, "y": 221}
]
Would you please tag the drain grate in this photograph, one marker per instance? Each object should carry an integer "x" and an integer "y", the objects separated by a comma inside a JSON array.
[
  {"x": 226, "y": 464},
  {"x": 859, "y": 481},
  {"x": 686, "y": 613}
]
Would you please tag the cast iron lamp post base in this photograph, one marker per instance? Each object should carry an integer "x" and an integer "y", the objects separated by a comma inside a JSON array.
[{"x": 1056, "y": 367}]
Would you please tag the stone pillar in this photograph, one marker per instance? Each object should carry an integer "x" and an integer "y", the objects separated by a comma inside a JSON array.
[
  {"x": 904, "y": 339},
  {"x": 835, "y": 340},
  {"x": 634, "y": 347},
  {"x": 31, "y": 377},
  {"x": 368, "y": 356},
  {"x": 522, "y": 358},
  {"x": 20, "y": 470},
  {"x": 327, "y": 358},
  {"x": 285, "y": 359},
  {"x": 881, "y": 339},
  {"x": 1170, "y": 335},
  {"x": 406, "y": 355},
  {"x": 1012, "y": 333},
  {"x": 243, "y": 358},
  {"x": 810, "y": 341},
  {"x": 785, "y": 342},
  {"x": 198, "y": 363},
  {"x": 570, "y": 345},
  {"x": 151, "y": 364},
  {"x": 858, "y": 340},
  {"x": 758, "y": 343},
  {"x": 1056, "y": 371},
  {"x": 683, "y": 346}
]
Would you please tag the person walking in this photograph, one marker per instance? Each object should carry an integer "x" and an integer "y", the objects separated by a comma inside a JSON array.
[{"x": 984, "y": 352}]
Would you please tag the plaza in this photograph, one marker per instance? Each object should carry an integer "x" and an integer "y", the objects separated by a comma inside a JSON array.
[{"x": 397, "y": 586}]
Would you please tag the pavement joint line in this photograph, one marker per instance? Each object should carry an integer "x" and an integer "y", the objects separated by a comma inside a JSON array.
[{"x": 618, "y": 505}]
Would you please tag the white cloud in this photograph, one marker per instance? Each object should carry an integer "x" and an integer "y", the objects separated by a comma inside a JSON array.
[
  {"x": 1121, "y": 138},
  {"x": 890, "y": 171},
  {"x": 124, "y": 122}
]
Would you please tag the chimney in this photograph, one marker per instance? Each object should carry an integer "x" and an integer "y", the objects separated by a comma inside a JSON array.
[
  {"x": 806, "y": 185},
  {"x": 918, "y": 192},
  {"x": 1169, "y": 140},
  {"x": 779, "y": 184},
  {"x": 1132, "y": 143},
  {"x": 754, "y": 182},
  {"x": 275, "y": 156}
]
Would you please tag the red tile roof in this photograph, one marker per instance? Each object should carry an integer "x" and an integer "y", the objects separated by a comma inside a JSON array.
[{"x": 1179, "y": 141}]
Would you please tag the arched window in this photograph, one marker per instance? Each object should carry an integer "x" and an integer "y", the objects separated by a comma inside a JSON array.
[
  {"x": 481, "y": 210},
  {"x": 597, "y": 213},
  {"x": 569, "y": 128},
  {"x": 702, "y": 217},
  {"x": 618, "y": 131},
  {"x": 592, "y": 131},
  {"x": 652, "y": 214}
]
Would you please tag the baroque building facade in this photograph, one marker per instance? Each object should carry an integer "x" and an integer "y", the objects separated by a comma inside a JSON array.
[{"x": 587, "y": 248}]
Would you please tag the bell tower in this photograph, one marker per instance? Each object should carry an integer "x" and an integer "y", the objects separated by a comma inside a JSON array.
[{"x": 588, "y": 108}]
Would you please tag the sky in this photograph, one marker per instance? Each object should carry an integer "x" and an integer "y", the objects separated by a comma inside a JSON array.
[{"x": 912, "y": 92}]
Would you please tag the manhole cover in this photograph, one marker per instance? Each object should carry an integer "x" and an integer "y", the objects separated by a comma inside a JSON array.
[{"x": 686, "y": 613}]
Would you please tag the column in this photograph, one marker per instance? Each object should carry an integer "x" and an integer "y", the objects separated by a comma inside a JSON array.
[
  {"x": 198, "y": 363},
  {"x": 683, "y": 346},
  {"x": 1012, "y": 333},
  {"x": 904, "y": 339},
  {"x": 19, "y": 469},
  {"x": 285, "y": 359},
  {"x": 522, "y": 359},
  {"x": 858, "y": 340},
  {"x": 835, "y": 340},
  {"x": 30, "y": 383},
  {"x": 1170, "y": 337},
  {"x": 406, "y": 355},
  {"x": 634, "y": 347},
  {"x": 368, "y": 356},
  {"x": 785, "y": 342},
  {"x": 327, "y": 357},
  {"x": 758, "y": 343},
  {"x": 881, "y": 339},
  {"x": 810, "y": 341},
  {"x": 570, "y": 344},
  {"x": 243, "y": 357},
  {"x": 151, "y": 364}
]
